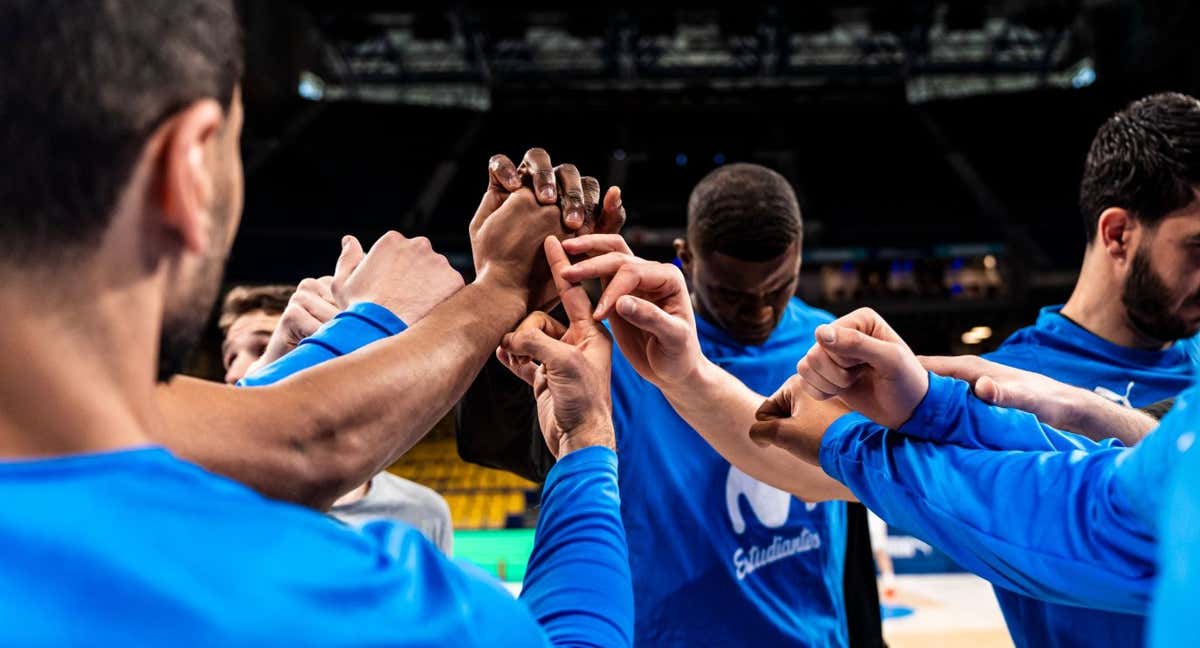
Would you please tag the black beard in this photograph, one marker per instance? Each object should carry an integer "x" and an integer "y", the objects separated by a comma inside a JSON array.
[
  {"x": 1147, "y": 302},
  {"x": 184, "y": 320}
]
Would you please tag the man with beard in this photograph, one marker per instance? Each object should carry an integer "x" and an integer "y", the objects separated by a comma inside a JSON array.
[
  {"x": 1142, "y": 220},
  {"x": 125, "y": 118}
]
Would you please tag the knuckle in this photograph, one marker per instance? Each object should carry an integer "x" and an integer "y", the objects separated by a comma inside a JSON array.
[
  {"x": 392, "y": 237},
  {"x": 569, "y": 168},
  {"x": 423, "y": 243}
]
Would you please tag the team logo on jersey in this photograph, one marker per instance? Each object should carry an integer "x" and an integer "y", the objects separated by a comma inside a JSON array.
[
  {"x": 1113, "y": 396},
  {"x": 772, "y": 507},
  {"x": 769, "y": 504}
]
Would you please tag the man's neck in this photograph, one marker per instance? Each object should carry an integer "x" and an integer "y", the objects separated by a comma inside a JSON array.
[
  {"x": 78, "y": 374},
  {"x": 1096, "y": 305}
]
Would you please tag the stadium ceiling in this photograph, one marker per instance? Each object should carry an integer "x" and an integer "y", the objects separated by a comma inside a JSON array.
[{"x": 460, "y": 56}]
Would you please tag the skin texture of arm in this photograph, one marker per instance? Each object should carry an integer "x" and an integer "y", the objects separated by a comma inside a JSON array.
[
  {"x": 314, "y": 435},
  {"x": 722, "y": 410}
]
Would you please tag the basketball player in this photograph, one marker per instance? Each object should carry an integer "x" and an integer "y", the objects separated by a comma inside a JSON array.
[{"x": 117, "y": 245}]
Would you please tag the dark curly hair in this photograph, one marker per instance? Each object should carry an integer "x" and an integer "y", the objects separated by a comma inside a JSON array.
[{"x": 1145, "y": 159}]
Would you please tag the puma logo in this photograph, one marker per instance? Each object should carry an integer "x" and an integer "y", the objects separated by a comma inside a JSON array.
[
  {"x": 770, "y": 505},
  {"x": 1113, "y": 396}
]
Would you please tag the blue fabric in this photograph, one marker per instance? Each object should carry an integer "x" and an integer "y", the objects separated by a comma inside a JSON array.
[
  {"x": 1060, "y": 348},
  {"x": 720, "y": 559},
  {"x": 1071, "y": 526},
  {"x": 708, "y": 569},
  {"x": 137, "y": 547},
  {"x": 350, "y": 329},
  {"x": 577, "y": 582},
  {"x": 1173, "y": 620}
]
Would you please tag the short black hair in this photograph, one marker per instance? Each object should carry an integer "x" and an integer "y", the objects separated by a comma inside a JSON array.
[
  {"x": 746, "y": 211},
  {"x": 1145, "y": 159},
  {"x": 83, "y": 84}
]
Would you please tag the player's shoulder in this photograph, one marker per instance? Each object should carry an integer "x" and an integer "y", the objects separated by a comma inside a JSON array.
[
  {"x": 1192, "y": 347},
  {"x": 808, "y": 314}
]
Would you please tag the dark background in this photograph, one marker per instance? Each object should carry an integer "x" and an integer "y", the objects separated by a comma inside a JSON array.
[{"x": 905, "y": 128}]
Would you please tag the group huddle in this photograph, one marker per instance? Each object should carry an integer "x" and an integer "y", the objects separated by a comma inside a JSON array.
[{"x": 696, "y": 426}]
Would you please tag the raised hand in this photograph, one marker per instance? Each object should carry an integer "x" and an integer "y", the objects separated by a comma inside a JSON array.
[
  {"x": 861, "y": 361},
  {"x": 568, "y": 366},
  {"x": 580, "y": 195},
  {"x": 653, "y": 323},
  {"x": 401, "y": 274},
  {"x": 307, "y": 309}
]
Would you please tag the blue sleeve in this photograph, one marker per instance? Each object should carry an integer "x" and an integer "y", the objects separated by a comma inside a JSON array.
[
  {"x": 949, "y": 413},
  {"x": 578, "y": 582},
  {"x": 1053, "y": 525},
  {"x": 1173, "y": 615},
  {"x": 351, "y": 329}
]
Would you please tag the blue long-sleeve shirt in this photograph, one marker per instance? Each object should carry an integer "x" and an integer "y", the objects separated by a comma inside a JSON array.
[
  {"x": 577, "y": 583},
  {"x": 1062, "y": 349},
  {"x": 1060, "y": 519}
]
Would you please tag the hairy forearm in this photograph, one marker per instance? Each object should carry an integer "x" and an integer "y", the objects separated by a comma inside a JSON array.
[
  {"x": 319, "y": 433},
  {"x": 721, "y": 409},
  {"x": 1099, "y": 419}
]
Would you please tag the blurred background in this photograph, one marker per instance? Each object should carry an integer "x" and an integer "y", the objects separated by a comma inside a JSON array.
[{"x": 936, "y": 146}]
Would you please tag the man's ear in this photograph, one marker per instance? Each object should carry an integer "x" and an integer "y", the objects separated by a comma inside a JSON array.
[
  {"x": 187, "y": 184},
  {"x": 684, "y": 254},
  {"x": 1116, "y": 230}
]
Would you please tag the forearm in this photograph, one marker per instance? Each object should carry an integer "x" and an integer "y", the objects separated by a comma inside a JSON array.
[
  {"x": 949, "y": 413},
  {"x": 314, "y": 435},
  {"x": 721, "y": 409},
  {"x": 1052, "y": 525},
  {"x": 1100, "y": 419},
  {"x": 578, "y": 584}
]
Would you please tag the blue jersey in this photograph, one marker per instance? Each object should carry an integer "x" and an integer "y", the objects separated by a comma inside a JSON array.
[
  {"x": 1173, "y": 619},
  {"x": 718, "y": 558},
  {"x": 137, "y": 547},
  {"x": 1044, "y": 513},
  {"x": 1058, "y": 347}
]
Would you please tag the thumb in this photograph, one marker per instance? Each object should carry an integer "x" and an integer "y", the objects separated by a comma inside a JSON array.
[
  {"x": 534, "y": 343},
  {"x": 669, "y": 331},
  {"x": 765, "y": 433},
  {"x": 352, "y": 255},
  {"x": 849, "y": 347},
  {"x": 989, "y": 391}
]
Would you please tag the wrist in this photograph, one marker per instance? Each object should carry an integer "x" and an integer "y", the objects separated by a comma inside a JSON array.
[
  {"x": 510, "y": 297},
  {"x": 703, "y": 374},
  {"x": 597, "y": 433}
]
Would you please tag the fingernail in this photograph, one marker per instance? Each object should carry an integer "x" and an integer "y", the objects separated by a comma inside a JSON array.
[
  {"x": 574, "y": 219},
  {"x": 618, "y": 194},
  {"x": 599, "y": 309},
  {"x": 626, "y": 307},
  {"x": 513, "y": 182},
  {"x": 547, "y": 192},
  {"x": 345, "y": 240},
  {"x": 828, "y": 335}
]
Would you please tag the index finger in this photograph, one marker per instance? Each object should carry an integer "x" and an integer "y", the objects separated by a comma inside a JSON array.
[{"x": 574, "y": 299}]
